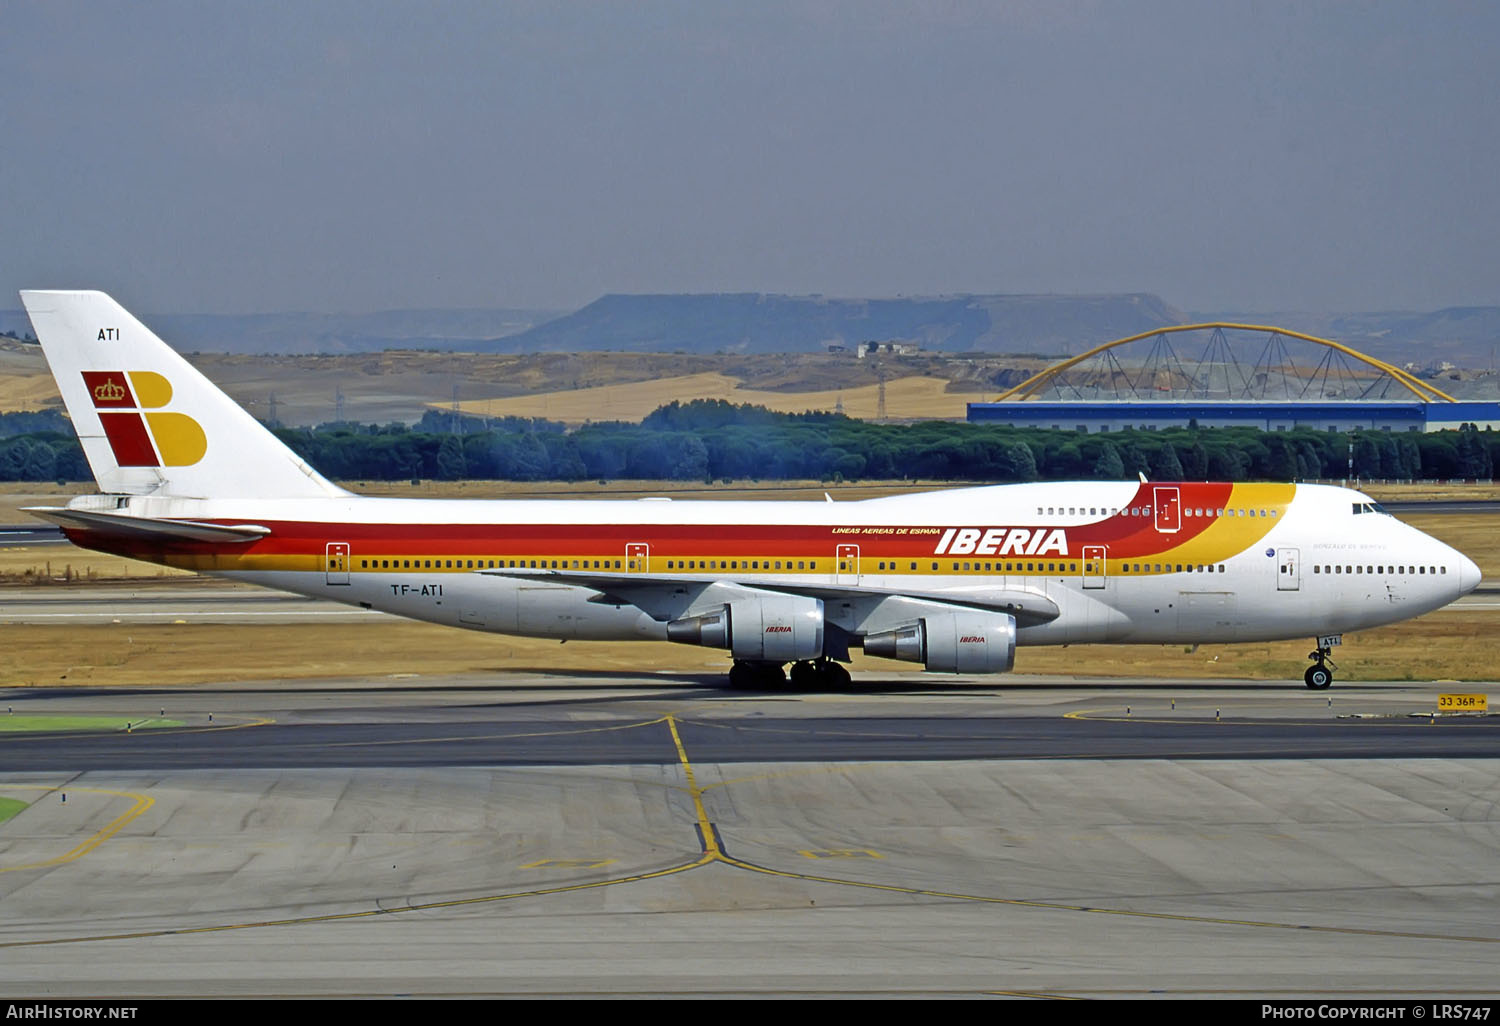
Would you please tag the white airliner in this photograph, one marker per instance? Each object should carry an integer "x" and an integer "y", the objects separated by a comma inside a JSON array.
[{"x": 954, "y": 580}]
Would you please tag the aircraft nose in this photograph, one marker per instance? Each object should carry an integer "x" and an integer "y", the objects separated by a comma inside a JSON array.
[{"x": 1468, "y": 574}]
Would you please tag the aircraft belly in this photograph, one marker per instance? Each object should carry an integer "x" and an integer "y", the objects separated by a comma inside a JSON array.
[
  {"x": 1083, "y": 617},
  {"x": 1209, "y": 615},
  {"x": 491, "y": 604}
]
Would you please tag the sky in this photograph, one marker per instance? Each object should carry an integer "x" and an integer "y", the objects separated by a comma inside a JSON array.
[{"x": 360, "y": 155}]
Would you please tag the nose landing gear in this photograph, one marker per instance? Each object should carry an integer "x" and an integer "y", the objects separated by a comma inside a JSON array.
[{"x": 1320, "y": 674}]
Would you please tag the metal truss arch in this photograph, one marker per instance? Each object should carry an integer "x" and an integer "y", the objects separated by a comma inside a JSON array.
[{"x": 1218, "y": 360}]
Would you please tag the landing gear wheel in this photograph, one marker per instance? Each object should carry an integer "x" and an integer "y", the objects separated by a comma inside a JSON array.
[
  {"x": 804, "y": 675},
  {"x": 1318, "y": 676},
  {"x": 831, "y": 675},
  {"x": 745, "y": 674}
]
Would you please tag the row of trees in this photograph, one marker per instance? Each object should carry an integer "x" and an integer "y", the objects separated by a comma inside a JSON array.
[{"x": 707, "y": 440}]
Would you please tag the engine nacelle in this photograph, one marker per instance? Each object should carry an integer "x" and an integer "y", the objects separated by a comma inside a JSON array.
[
  {"x": 773, "y": 629},
  {"x": 951, "y": 642}
]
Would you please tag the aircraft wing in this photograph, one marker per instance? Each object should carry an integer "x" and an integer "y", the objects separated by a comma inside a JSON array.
[
  {"x": 654, "y": 591},
  {"x": 147, "y": 527}
]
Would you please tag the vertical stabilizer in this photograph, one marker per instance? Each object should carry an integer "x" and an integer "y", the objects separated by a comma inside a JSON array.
[{"x": 150, "y": 424}]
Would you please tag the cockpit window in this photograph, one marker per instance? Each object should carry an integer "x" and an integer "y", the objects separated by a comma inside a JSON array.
[{"x": 1369, "y": 507}]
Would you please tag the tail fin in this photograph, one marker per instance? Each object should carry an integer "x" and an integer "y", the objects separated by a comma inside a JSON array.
[{"x": 150, "y": 424}]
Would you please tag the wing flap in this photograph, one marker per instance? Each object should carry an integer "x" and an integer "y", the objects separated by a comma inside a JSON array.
[{"x": 1028, "y": 606}]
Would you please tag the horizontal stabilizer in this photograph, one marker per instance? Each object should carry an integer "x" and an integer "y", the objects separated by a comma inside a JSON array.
[{"x": 148, "y": 527}]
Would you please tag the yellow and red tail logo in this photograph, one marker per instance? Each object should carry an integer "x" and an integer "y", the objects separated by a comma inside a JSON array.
[{"x": 140, "y": 432}]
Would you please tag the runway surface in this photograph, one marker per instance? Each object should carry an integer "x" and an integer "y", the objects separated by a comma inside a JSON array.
[
  {"x": 658, "y": 835},
  {"x": 190, "y": 599},
  {"x": 404, "y": 729}
]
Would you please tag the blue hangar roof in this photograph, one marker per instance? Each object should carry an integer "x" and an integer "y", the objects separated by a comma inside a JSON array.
[{"x": 1410, "y": 415}]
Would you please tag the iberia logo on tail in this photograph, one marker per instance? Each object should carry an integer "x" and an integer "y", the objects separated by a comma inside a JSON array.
[{"x": 141, "y": 433}]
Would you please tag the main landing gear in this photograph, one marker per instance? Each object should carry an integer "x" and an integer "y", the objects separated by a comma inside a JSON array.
[
  {"x": 809, "y": 675},
  {"x": 822, "y": 674},
  {"x": 1320, "y": 674}
]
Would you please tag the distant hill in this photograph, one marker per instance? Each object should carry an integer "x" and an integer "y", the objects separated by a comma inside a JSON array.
[
  {"x": 755, "y": 323},
  {"x": 287, "y": 333},
  {"x": 1463, "y": 335},
  {"x": 760, "y": 323}
]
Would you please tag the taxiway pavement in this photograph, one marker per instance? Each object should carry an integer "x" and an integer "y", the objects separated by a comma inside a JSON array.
[{"x": 658, "y": 835}]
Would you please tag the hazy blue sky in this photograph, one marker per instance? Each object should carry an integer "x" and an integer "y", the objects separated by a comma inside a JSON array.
[{"x": 350, "y": 156}]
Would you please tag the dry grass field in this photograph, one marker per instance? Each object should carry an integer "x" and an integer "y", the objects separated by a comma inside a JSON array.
[
  {"x": 1447, "y": 645},
  {"x": 908, "y": 398},
  {"x": 575, "y": 387}
]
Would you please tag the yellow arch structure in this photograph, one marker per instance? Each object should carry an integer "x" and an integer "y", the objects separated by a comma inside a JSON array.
[{"x": 1034, "y": 384}]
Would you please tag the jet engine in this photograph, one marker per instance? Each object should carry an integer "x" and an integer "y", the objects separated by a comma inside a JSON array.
[
  {"x": 770, "y": 629},
  {"x": 960, "y": 642}
]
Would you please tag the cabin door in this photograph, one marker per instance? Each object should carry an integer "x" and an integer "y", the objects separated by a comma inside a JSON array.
[
  {"x": 336, "y": 563},
  {"x": 1288, "y": 570},
  {"x": 1093, "y": 566},
  {"x": 637, "y": 557},
  {"x": 846, "y": 564},
  {"x": 1168, "y": 503}
]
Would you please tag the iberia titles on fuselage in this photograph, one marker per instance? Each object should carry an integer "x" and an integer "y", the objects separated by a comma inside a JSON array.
[{"x": 954, "y": 580}]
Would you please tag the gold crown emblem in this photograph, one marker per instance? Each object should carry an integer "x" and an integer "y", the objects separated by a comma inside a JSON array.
[{"x": 109, "y": 392}]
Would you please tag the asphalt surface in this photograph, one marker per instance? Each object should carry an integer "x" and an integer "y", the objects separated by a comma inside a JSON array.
[
  {"x": 30, "y": 534},
  {"x": 616, "y": 836},
  {"x": 398, "y": 735}
]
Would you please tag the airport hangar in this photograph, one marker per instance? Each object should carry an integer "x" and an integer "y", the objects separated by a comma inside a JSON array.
[{"x": 1152, "y": 380}]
